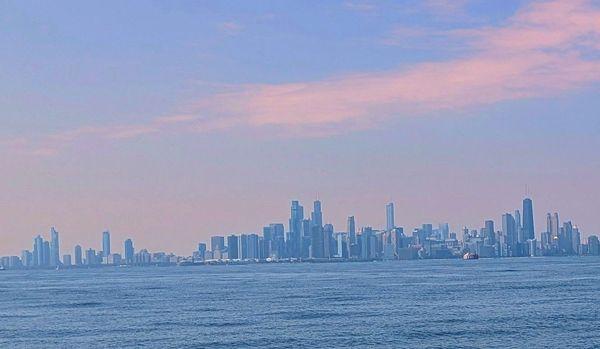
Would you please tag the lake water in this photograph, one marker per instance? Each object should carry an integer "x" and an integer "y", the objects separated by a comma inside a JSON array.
[{"x": 495, "y": 303}]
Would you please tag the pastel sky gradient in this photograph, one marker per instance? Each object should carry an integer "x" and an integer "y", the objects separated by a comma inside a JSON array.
[{"x": 169, "y": 122}]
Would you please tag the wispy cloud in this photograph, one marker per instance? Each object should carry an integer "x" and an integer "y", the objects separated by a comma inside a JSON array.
[
  {"x": 538, "y": 52},
  {"x": 545, "y": 49}
]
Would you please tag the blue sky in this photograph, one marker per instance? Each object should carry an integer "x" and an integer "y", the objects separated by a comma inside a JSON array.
[{"x": 171, "y": 122}]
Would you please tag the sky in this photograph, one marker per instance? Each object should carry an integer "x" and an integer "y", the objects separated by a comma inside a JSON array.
[{"x": 170, "y": 122}]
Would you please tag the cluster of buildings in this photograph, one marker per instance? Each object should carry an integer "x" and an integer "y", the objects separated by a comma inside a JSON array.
[{"x": 308, "y": 238}]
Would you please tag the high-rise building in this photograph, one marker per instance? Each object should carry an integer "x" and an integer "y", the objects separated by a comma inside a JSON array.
[
  {"x": 389, "y": 215},
  {"x": 78, "y": 255},
  {"x": 46, "y": 249},
  {"x": 296, "y": 218},
  {"x": 54, "y": 248},
  {"x": 243, "y": 247},
  {"x": 366, "y": 242},
  {"x": 565, "y": 240},
  {"x": 351, "y": 230},
  {"x": 509, "y": 231},
  {"x": 202, "y": 251},
  {"x": 90, "y": 257},
  {"x": 519, "y": 227},
  {"x": 316, "y": 216},
  {"x": 444, "y": 231},
  {"x": 38, "y": 251},
  {"x": 27, "y": 258},
  {"x": 576, "y": 241},
  {"x": 233, "y": 247},
  {"x": 253, "y": 249},
  {"x": 490, "y": 233},
  {"x": 106, "y": 244},
  {"x": 67, "y": 260},
  {"x": 217, "y": 243},
  {"x": 528, "y": 225},
  {"x": 555, "y": 226},
  {"x": 593, "y": 245},
  {"x": 317, "y": 244},
  {"x": 129, "y": 252},
  {"x": 328, "y": 243}
]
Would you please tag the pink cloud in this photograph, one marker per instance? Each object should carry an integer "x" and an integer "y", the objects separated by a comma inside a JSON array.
[{"x": 538, "y": 52}]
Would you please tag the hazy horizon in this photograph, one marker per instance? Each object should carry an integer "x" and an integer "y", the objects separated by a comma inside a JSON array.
[{"x": 171, "y": 122}]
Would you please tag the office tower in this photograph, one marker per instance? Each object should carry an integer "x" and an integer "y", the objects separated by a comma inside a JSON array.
[
  {"x": 316, "y": 242},
  {"x": 593, "y": 245},
  {"x": 389, "y": 215},
  {"x": 576, "y": 241},
  {"x": 351, "y": 229},
  {"x": 54, "y": 248},
  {"x": 106, "y": 244},
  {"x": 27, "y": 258},
  {"x": 366, "y": 242},
  {"x": 555, "y": 226},
  {"x": 202, "y": 251},
  {"x": 217, "y": 243},
  {"x": 78, "y": 256},
  {"x": 38, "y": 251},
  {"x": 129, "y": 251},
  {"x": 278, "y": 235},
  {"x": 243, "y": 247},
  {"x": 233, "y": 247},
  {"x": 90, "y": 257},
  {"x": 66, "y": 260},
  {"x": 528, "y": 226},
  {"x": 444, "y": 231},
  {"x": 267, "y": 243},
  {"x": 427, "y": 229},
  {"x": 328, "y": 243},
  {"x": 565, "y": 240},
  {"x": 316, "y": 216},
  {"x": 253, "y": 246},
  {"x": 509, "y": 231},
  {"x": 296, "y": 218},
  {"x": 519, "y": 227},
  {"x": 46, "y": 254},
  {"x": 490, "y": 238}
]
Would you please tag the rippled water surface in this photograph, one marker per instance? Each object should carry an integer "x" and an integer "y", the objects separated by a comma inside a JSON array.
[{"x": 527, "y": 302}]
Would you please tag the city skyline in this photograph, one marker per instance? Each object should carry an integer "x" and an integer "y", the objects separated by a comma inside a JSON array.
[
  {"x": 207, "y": 116},
  {"x": 516, "y": 237}
]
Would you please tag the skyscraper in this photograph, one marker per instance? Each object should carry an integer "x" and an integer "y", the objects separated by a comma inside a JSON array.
[
  {"x": 528, "y": 226},
  {"x": 389, "y": 215},
  {"x": 38, "y": 251},
  {"x": 444, "y": 229},
  {"x": 54, "y": 248},
  {"x": 296, "y": 217},
  {"x": 233, "y": 247},
  {"x": 78, "y": 255},
  {"x": 490, "y": 234},
  {"x": 217, "y": 243},
  {"x": 106, "y": 244},
  {"x": 316, "y": 216},
  {"x": 509, "y": 231},
  {"x": 351, "y": 228},
  {"x": 519, "y": 227},
  {"x": 46, "y": 254},
  {"x": 129, "y": 251}
]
